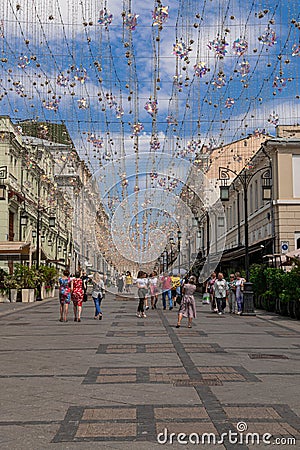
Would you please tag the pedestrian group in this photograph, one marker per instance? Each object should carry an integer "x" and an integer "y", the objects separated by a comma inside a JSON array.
[{"x": 174, "y": 290}]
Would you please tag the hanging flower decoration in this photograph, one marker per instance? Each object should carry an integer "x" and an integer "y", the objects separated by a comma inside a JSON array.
[
  {"x": 239, "y": 46},
  {"x": 19, "y": 88},
  {"x": 154, "y": 144},
  {"x": 23, "y": 61},
  {"x": 43, "y": 131},
  {"x": 51, "y": 105},
  {"x": 249, "y": 166},
  {"x": 296, "y": 50},
  {"x": 160, "y": 15},
  {"x": 268, "y": 37},
  {"x": 136, "y": 128},
  {"x": 153, "y": 175},
  {"x": 177, "y": 81},
  {"x": 162, "y": 181},
  {"x": 82, "y": 103},
  {"x": 151, "y": 107},
  {"x": 191, "y": 146},
  {"x": 229, "y": 102},
  {"x": 171, "y": 120},
  {"x": 105, "y": 17},
  {"x": 273, "y": 118},
  {"x": 200, "y": 69},
  {"x": 180, "y": 49},
  {"x": 259, "y": 132},
  {"x": 219, "y": 81},
  {"x": 62, "y": 80},
  {"x": 237, "y": 158},
  {"x": 80, "y": 74},
  {"x": 279, "y": 83},
  {"x": 244, "y": 68},
  {"x": 111, "y": 100},
  {"x": 96, "y": 141},
  {"x": 130, "y": 21},
  {"x": 219, "y": 46},
  {"x": 119, "y": 112}
]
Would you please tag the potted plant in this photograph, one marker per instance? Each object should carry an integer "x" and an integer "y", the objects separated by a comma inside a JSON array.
[
  {"x": 3, "y": 288},
  {"x": 48, "y": 276},
  {"x": 12, "y": 286},
  {"x": 28, "y": 279}
]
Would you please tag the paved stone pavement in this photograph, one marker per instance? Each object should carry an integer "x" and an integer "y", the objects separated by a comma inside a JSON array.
[{"x": 117, "y": 383}]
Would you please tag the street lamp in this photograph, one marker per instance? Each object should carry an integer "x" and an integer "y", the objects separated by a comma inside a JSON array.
[
  {"x": 24, "y": 221},
  {"x": 179, "y": 237},
  {"x": 52, "y": 221},
  {"x": 245, "y": 179}
]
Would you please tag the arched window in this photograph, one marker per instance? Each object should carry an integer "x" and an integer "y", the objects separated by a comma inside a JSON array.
[{"x": 298, "y": 243}]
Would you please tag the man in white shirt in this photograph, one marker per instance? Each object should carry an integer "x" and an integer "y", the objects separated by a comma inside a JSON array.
[{"x": 220, "y": 292}]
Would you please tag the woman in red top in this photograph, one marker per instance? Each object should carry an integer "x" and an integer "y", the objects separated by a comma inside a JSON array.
[{"x": 77, "y": 293}]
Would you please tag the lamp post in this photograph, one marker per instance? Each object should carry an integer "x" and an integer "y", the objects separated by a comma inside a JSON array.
[
  {"x": 179, "y": 236},
  {"x": 245, "y": 178},
  {"x": 171, "y": 247}
]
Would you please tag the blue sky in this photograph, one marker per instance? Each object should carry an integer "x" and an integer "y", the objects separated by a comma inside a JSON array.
[{"x": 59, "y": 64}]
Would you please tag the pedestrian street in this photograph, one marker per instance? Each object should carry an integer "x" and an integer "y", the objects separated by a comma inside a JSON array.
[{"x": 123, "y": 382}]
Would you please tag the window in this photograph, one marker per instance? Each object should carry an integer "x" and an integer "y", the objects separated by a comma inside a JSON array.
[
  {"x": 234, "y": 214},
  {"x": 297, "y": 241},
  {"x": 255, "y": 196},
  {"x": 296, "y": 178}
]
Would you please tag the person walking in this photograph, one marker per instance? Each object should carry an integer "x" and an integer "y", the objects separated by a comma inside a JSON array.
[
  {"x": 153, "y": 285},
  {"x": 64, "y": 295},
  {"x": 188, "y": 305},
  {"x": 231, "y": 294},
  {"x": 210, "y": 289},
  {"x": 128, "y": 282},
  {"x": 166, "y": 283},
  {"x": 85, "y": 280},
  {"x": 97, "y": 293},
  {"x": 77, "y": 293},
  {"x": 175, "y": 291},
  {"x": 142, "y": 285},
  {"x": 239, "y": 285},
  {"x": 120, "y": 282},
  {"x": 220, "y": 292}
]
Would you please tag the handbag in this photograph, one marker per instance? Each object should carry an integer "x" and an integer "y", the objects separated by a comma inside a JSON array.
[{"x": 206, "y": 298}]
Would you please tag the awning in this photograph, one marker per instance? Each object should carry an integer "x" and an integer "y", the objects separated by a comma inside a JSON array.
[
  {"x": 14, "y": 250},
  {"x": 239, "y": 252}
]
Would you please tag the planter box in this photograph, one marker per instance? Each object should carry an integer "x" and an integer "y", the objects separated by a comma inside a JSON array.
[
  {"x": 13, "y": 295},
  {"x": 4, "y": 298},
  {"x": 28, "y": 295},
  {"x": 47, "y": 293}
]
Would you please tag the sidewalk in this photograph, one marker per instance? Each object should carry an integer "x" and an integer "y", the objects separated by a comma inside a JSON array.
[{"x": 117, "y": 383}]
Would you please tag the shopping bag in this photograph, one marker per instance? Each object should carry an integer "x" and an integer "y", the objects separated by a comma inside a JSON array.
[{"x": 206, "y": 298}]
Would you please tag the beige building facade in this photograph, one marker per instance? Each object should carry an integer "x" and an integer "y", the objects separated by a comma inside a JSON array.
[{"x": 273, "y": 224}]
